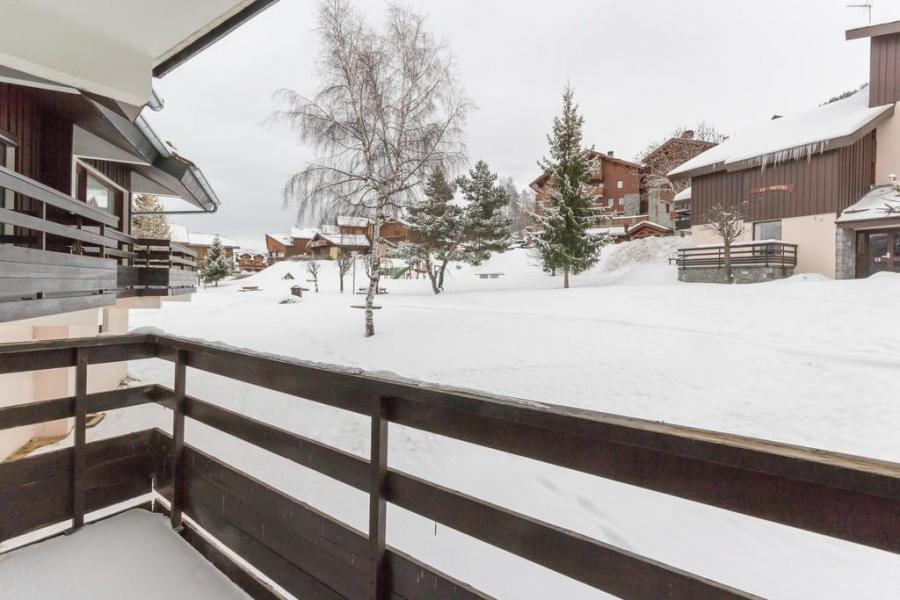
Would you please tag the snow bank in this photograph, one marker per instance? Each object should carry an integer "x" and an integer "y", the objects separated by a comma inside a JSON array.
[{"x": 656, "y": 250}]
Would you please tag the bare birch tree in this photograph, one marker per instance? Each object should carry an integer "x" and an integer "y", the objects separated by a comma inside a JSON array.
[
  {"x": 389, "y": 109},
  {"x": 344, "y": 262},
  {"x": 728, "y": 224}
]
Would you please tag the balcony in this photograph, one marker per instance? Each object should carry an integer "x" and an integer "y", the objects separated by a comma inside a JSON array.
[
  {"x": 751, "y": 262},
  {"x": 226, "y": 513},
  {"x": 58, "y": 254}
]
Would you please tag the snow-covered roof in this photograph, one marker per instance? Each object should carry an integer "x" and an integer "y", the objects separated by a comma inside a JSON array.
[
  {"x": 206, "y": 239},
  {"x": 249, "y": 251},
  {"x": 181, "y": 235},
  {"x": 613, "y": 231},
  {"x": 303, "y": 233},
  {"x": 178, "y": 233},
  {"x": 649, "y": 224},
  {"x": 281, "y": 238},
  {"x": 684, "y": 194},
  {"x": 330, "y": 229},
  {"x": 355, "y": 240},
  {"x": 881, "y": 203},
  {"x": 347, "y": 221},
  {"x": 794, "y": 136}
]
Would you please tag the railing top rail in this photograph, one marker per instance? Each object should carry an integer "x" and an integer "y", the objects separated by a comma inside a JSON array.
[{"x": 20, "y": 184}]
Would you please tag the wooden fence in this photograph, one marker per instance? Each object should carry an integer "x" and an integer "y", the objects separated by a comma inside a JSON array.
[
  {"x": 312, "y": 555},
  {"x": 743, "y": 254}
]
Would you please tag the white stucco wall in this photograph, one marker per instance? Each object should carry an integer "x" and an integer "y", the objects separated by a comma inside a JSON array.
[
  {"x": 887, "y": 137},
  {"x": 813, "y": 234}
]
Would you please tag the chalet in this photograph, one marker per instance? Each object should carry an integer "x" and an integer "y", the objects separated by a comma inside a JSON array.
[
  {"x": 393, "y": 231},
  {"x": 801, "y": 180},
  {"x": 75, "y": 146},
  {"x": 669, "y": 155},
  {"x": 331, "y": 241},
  {"x": 615, "y": 185},
  {"x": 282, "y": 246},
  {"x": 199, "y": 243},
  {"x": 250, "y": 260},
  {"x": 348, "y": 225}
]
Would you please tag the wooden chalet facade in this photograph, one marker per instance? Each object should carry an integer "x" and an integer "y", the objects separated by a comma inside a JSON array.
[
  {"x": 793, "y": 177},
  {"x": 250, "y": 260},
  {"x": 74, "y": 148},
  {"x": 614, "y": 183},
  {"x": 284, "y": 246}
]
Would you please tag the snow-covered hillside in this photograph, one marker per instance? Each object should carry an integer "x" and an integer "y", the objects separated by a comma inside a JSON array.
[{"x": 805, "y": 361}]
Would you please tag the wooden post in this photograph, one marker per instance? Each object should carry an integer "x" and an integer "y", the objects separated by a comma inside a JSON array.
[
  {"x": 78, "y": 458},
  {"x": 378, "y": 589},
  {"x": 178, "y": 440}
]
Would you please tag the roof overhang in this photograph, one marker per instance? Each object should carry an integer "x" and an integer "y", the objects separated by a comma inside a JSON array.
[
  {"x": 113, "y": 49},
  {"x": 874, "y": 30},
  {"x": 827, "y": 145}
]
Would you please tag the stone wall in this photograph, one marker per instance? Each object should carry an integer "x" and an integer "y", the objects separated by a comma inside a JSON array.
[
  {"x": 741, "y": 274},
  {"x": 845, "y": 254}
]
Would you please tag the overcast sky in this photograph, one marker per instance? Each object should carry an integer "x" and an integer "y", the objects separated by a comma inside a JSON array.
[{"x": 640, "y": 68}]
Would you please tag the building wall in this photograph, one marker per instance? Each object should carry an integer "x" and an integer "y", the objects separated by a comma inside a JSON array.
[
  {"x": 888, "y": 139},
  {"x": 813, "y": 234},
  {"x": 826, "y": 183},
  {"x": 884, "y": 69}
]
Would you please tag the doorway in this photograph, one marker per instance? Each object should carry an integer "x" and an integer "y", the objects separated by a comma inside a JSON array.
[{"x": 877, "y": 251}]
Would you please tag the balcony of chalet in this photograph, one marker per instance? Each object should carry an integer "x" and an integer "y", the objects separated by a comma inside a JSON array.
[
  {"x": 58, "y": 254},
  {"x": 750, "y": 262},
  {"x": 267, "y": 542}
]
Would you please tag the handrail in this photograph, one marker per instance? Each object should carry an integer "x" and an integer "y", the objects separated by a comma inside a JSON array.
[
  {"x": 20, "y": 184},
  {"x": 847, "y": 497},
  {"x": 781, "y": 254}
]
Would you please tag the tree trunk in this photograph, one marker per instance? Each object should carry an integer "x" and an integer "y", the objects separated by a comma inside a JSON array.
[
  {"x": 728, "y": 271},
  {"x": 441, "y": 272},
  {"x": 566, "y": 277},
  {"x": 432, "y": 275},
  {"x": 374, "y": 274},
  {"x": 342, "y": 281}
]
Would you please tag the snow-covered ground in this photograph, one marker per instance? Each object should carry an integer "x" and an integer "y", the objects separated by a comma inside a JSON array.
[
  {"x": 132, "y": 556},
  {"x": 805, "y": 361}
]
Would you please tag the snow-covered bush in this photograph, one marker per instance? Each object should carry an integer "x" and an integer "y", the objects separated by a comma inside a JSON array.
[{"x": 643, "y": 251}]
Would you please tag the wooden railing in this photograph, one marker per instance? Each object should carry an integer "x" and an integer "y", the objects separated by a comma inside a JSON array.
[
  {"x": 743, "y": 254},
  {"x": 57, "y": 254},
  {"x": 312, "y": 555}
]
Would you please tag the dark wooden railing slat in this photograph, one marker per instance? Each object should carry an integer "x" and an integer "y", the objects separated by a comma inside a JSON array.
[
  {"x": 178, "y": 439},
  {"x": 379, "y": 586},
  {"x": 78, "y": 458}
]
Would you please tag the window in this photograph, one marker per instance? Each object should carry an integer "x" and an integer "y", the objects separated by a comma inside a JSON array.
[
  {"x": 767, "y": 230},
  {"x": 610, "y": 202},
  {"x": 99, "y": 192},
  {"x": 621, "y": 201},
  {"x": 619, "y": 184}
]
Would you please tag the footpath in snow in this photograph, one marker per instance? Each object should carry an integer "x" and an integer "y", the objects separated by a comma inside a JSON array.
[{"x": 805, "y": 361}]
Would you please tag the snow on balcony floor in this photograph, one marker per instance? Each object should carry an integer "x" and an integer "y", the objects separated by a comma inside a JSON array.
[{"x": 134, "y": 555}]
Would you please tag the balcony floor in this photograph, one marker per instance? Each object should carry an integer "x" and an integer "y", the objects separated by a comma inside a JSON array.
[{"x": 131, "y": 556}]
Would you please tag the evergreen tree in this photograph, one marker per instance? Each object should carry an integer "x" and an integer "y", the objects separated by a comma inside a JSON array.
[
  {"x": 435, "y": 228},
  {"x": 216, "y": 264},
  {"x": 149, "y": 226},
  {"x": 442, "y": 232},
  {"x": 564, "y": 242}
]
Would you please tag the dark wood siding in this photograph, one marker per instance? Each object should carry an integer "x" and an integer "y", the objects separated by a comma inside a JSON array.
[
  {"x": 118, "y": 173},
  {"x": 884, "y": 78},
  {"x": 44, "y": 151},
  {"x": 826, "y": 183}
]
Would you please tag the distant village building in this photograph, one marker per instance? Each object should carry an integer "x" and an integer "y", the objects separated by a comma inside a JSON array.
[
  {"x": 613, "y": 183},
  {"x": 250, "y": 260},
  {"x": 331, "y": 240},
  {"x": 807, "y": 179},
  {"x": 200, "y": 243},
  {"x": 281, "y": 246}
]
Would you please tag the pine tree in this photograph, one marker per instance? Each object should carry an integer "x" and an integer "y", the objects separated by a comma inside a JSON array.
[
  {"x": 435, "y": 228},
  {"x": 486, "y": 220},
  {"x": 149, "y": 226},
  {"x": 564, "y": 242},
  {"x": 216, "y": 265}
]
